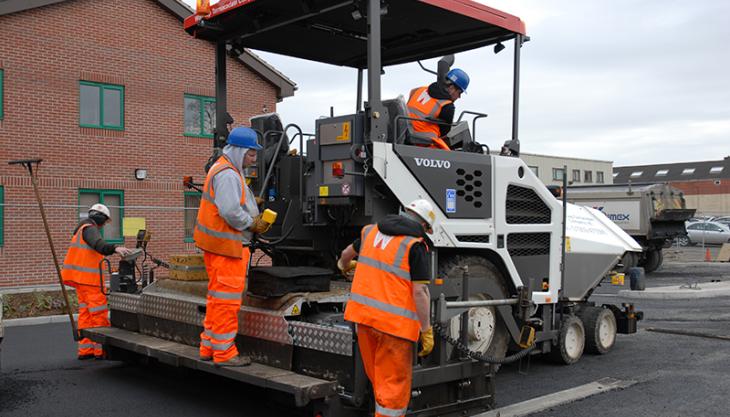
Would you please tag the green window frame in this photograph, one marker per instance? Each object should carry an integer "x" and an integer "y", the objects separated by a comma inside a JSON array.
[
  {"x": 190, "y": 215},
  {"x": 2, "y": 94},
  {"x": 2, "y": 215},
  {"x": 198, "y": 113},
  {"x": 101, "y": 107},
  {"x": 103, "y": 197}
]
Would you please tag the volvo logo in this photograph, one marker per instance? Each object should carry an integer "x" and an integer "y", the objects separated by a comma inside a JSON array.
[{"x": 432, "y": 163}]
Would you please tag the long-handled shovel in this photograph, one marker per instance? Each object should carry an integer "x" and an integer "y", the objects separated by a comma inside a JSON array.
[{"x": 28, "y": 163}]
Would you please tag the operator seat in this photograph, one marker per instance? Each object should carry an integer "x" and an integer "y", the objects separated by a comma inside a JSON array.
[{"x": 400, "y": 130}]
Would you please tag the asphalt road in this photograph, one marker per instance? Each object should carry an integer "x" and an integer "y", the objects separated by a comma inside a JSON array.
[{"x": 677, "y": 375}]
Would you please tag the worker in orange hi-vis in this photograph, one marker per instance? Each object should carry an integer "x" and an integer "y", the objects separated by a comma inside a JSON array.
[
  {"x": 433, "y": 105},
  {"x": 390, "y": 301},
  {"x": 227, "y": 219},
  {"x": 81, "y": 271}
]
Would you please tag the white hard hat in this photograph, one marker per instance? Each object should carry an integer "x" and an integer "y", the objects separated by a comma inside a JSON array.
[
  {"x": 101, "y": 209},
  {"x": 424, "y": 210}
]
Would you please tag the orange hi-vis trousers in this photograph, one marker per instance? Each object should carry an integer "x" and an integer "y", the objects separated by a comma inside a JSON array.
[
  {"x": 226, "y": 282},
  {"x": 93, "y": 312},
  {"x": 388, "y": 363}
]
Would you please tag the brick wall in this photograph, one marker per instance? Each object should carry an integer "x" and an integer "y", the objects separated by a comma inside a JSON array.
[
  {"x": 45, "y": 52},
  {"x": 708, "y": 197}
]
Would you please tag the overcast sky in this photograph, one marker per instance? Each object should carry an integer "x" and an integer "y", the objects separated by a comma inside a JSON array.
[{"x": 634, "y": 82}]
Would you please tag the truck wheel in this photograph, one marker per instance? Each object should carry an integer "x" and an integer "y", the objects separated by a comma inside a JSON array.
[
  {"x": 653, "y": 260},
  {"x": 571, "y": 341},
  {"x": 629, "y": 260},
  {"x": 487, "y": 332},
  {"x": 684, "y": 241},
  {"x": 600, "y": 327}
]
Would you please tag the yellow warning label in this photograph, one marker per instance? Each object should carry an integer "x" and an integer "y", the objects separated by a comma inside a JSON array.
[
  {"x": 345, "y": 136},
  {"x": 324, "y": 191},
  {"x": 295, "y": 311},
  {"x": 567, "y": 243}
]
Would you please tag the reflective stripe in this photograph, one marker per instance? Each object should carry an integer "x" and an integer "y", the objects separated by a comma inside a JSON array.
[
  {"x": 221, "y": 346},
  {"x": 402, "y": 251},
  {"x": 224, "y": 295},
  {"x": 391, "y": 412},
  {"x": 81, "y": 268},
  {"x": 86, "y": 346},
  {"x": 207, "y": 197},
  {"x": 82, "y": 246},
  {"x": 220, "y": 336},
  {"x": 82, "y": 305},
  {"x": 205, "y": 342},
  {"x": 97, "y": 308},
  {"x": 97, "y": 345},
  {"x": 388, "y": 308},
  {"x": 221, "y": 235},
  {"x": 400, "y": 273}
]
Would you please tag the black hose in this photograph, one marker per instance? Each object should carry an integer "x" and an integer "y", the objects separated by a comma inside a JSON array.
[{"x": 441, "y": 330}]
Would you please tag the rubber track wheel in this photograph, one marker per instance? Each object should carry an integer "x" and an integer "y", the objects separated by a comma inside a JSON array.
[{"x": 591, "y": 317}]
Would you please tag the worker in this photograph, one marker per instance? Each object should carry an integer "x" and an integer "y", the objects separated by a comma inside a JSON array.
[
  {"x": 436, "y": 102},
  {"x": 81, "y": 270},
  {"x": 390, "y": 301},
  {"x": 227, "y": 219}
]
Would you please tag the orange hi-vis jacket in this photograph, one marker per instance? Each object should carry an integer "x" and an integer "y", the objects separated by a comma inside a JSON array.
[
  {"x": 212, "y": 233},
  {"x": 422, "y": 106},
  {"x": 81, "y": 265},
  {"x": 382, "y": 292}
]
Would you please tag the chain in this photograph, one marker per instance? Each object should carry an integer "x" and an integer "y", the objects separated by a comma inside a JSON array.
[{"x": 463, "y": 349}]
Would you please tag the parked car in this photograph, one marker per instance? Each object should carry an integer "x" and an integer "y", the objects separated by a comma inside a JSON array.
[
  {"x": 696, "y": 219},
  {"x": 707, "y": 232},
  {"x": 722, "y": 219}
]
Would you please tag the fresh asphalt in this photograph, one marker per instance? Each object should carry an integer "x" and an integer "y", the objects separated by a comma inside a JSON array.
[{"x": 676, "y": 375}]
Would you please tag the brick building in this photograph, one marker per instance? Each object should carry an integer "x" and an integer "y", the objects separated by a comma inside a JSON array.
[
  {"x": 706, "y": 184},
  {"x": 102, "y": 90}
]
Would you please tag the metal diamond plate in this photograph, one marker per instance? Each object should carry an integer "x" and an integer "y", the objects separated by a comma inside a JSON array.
[
  {"x": 124, "y": 302},
  {"x": 173, "y": 309},
  {"x": 323, "y": 338},
  {"x": 265, "y": 326},
  {"x": 258, "y": 324}
]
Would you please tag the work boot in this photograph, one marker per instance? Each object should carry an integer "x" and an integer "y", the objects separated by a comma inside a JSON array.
[
  {"x": 206, "y": 358},
  {"x": 85, "y": 357},
  {"x": 235, "y": 361}
]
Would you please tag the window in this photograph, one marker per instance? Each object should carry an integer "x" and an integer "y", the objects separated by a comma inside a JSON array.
[
  {"x": 199, "y": 116},
  {"x": 662, "y": 173},
  {"x": 688, "y": 171},
  {"x": 636, "y": 174},
  {"x": 576, "y": 175},
  {"x": 558, "y": 174},
  {"x": 588, "y": 176},
  {"x": 114, "y": 199},
  {"x": 599, "y": 177},
  {"x": 2, "y": 215},
  {"x": 534, "y": 170},
  {"x": 192, "y": 203},
  {"x": 2, "y": 94},
  {"x": 615, "y": 174},
  {"x": 713, "y": 170},
  {"x": 101, "y": 105}
]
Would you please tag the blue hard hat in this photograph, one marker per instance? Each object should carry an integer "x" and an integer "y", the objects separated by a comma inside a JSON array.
[
  {"x": 459, "y": 78},
  {"x": 243, "y": 137}
]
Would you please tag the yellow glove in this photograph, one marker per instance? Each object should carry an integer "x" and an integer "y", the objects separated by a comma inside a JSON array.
[
  {"x": 259, "y": 225},
  {"x": 426, "y": 342},
  {"x": 346, "y": 268}
]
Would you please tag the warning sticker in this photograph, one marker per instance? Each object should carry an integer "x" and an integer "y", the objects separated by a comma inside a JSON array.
[
  {"x": 324, "y": 191},
  {"x": 450, "y": 200},
  {"x": 345, "y": 135},
  {"x": 345, "y": 189},
  {"x": 295, "y": 310}
]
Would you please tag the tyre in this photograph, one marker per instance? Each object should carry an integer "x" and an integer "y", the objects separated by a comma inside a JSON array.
[
  {"x": 653, "y": 261},
  {"x": 487, "y": 332},
  {"x": 571, "y": 341},
  {"x": 600, "y": 327},
  {"x": 683, "y": 241},
  {"x": 629, "y": 260}
]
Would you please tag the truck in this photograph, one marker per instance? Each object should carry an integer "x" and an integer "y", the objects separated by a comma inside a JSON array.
[
  {"x": 654, "y": 214},
  {"x": 512, "y": 268}
]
